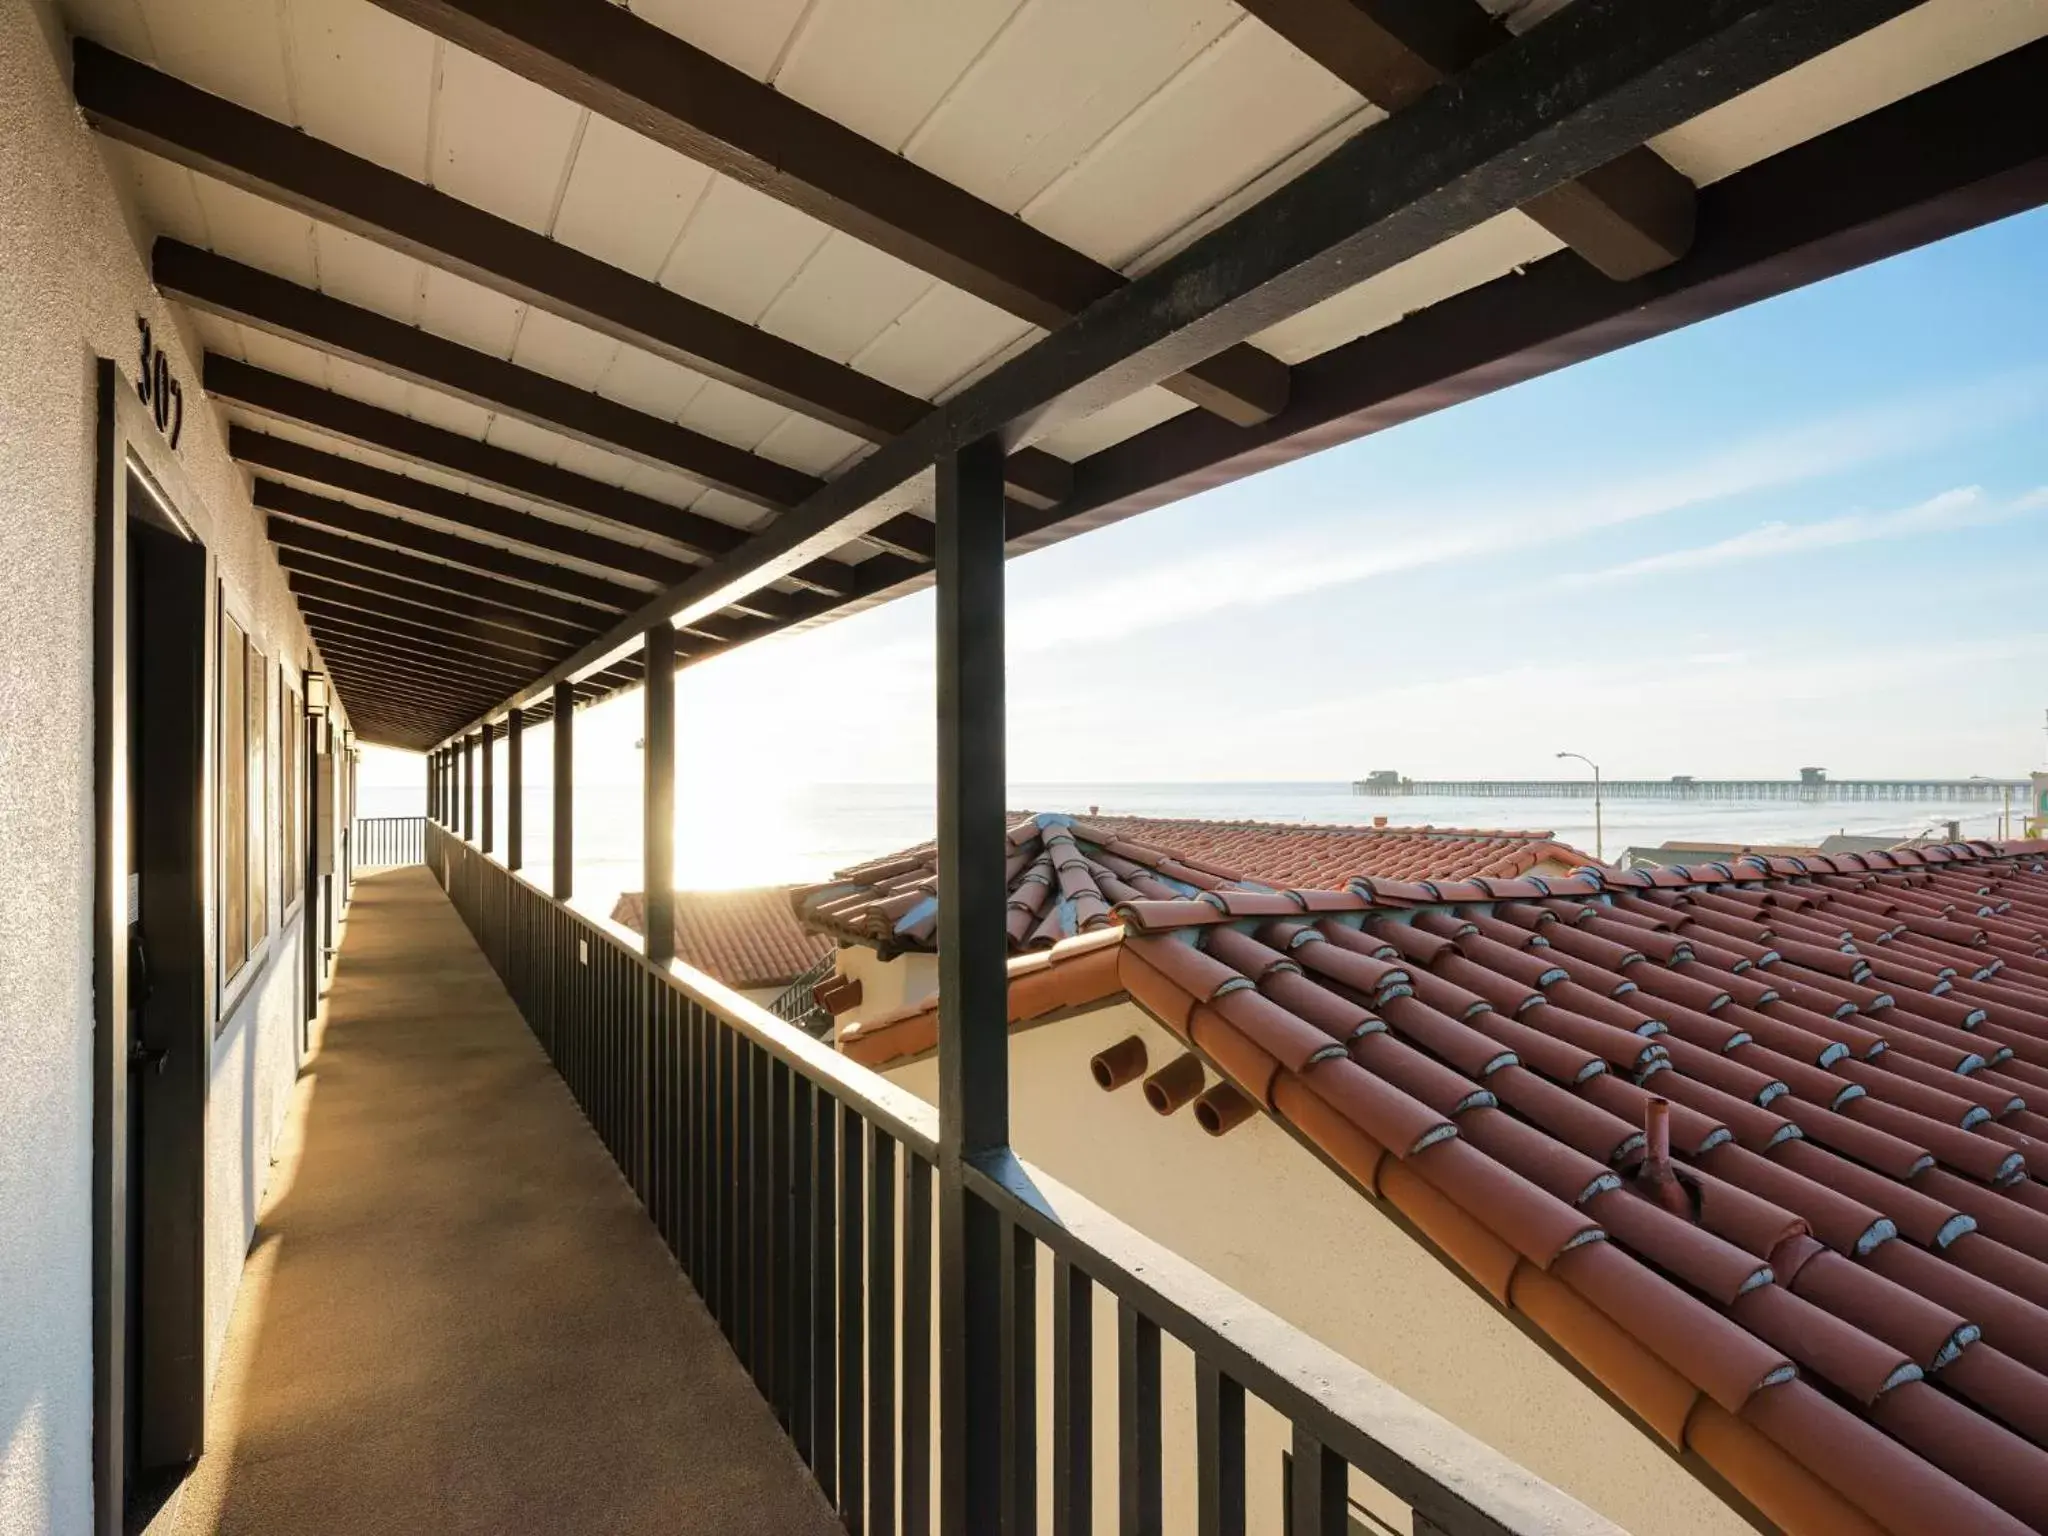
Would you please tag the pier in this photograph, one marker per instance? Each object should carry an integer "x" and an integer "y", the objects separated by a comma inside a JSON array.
[{"x": 1812, "y": 786}]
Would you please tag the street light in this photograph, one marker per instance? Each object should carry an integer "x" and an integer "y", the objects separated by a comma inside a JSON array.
[
  {"x": 1599, "y": 831},
  {"x": 2005, "y": 806}
]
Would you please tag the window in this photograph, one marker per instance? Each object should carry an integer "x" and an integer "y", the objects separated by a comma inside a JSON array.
[
  {"x": 234, "y": 798},
  {"x": 261, "y": 796},
  {"x": 291, "y": 774},
  {"x": 246, "y": 708}
]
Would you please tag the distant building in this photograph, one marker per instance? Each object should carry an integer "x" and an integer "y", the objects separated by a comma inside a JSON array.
[{"x": 748, "y": 939}]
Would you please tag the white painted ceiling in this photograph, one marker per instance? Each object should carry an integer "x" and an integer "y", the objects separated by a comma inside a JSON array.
[{"x": 1124, "y": 128}]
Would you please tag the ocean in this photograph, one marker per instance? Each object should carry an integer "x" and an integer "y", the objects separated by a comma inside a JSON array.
[{"x": 775, "y": 834}]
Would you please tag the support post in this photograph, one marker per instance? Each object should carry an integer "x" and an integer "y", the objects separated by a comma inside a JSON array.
[
  {"x": 488, "y": 825},
  {"x": 515, "y": 789},
  {"x": 658, "y": 834},
  {"x": 974, "y": 1044},
  {"x": 563, "y": 872},
  {"x": 430, "y": 786},
  {"x": 469, "y": 788}
]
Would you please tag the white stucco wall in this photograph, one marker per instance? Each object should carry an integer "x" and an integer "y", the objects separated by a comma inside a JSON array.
[
  {"x": 1264, "y": 1216},
  {"x": 72, "y": 282}
]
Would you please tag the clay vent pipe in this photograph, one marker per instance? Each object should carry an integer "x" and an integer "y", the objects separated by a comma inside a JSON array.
[
  {"x": 1222, "y": 1110},
  {"x": 1658, "y": 1177},
  {"x": 1175, "y": 1084},
  {"x": 1121, "y": 1063}
]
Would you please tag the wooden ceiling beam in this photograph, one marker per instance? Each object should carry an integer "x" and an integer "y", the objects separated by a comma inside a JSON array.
[
  {"x": 164, "y": 116},
  {"x": 332, "y": 639},
  {"x": 412, "y": 621},
  {"x": 637, "y": 74},
  {"x": 262, "y": 450},
  {"x": 397, "y": 688},
  {"x": 544, "y": 633},
  {"x": 346, "y": 517},
  {"x": 279, "y": 398},
  {"x": 570, "y": 615},
  {"x": 1628, "y": 217},
  {"x": 254, "y": 298}
]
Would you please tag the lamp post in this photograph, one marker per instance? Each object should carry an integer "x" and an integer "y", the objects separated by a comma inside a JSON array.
[
  {"x": 1599, "y": 830},
  {"x": 2005, "y": 802}
]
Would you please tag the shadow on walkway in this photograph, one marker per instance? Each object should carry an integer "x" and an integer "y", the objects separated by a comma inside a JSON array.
[{"x": 456, "y": 1316}]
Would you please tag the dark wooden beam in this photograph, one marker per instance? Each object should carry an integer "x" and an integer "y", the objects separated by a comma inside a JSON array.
[
  {"x": 233, "y": 291},
  {"x": 512, "y": 623},
  {"x": 1628, "y": 217},
  {"x": 410, "y": 666},
  {"x": 570, "y": 615},
  {"x": 658, "y": 798},
  {"x": 347, "y": 517},
  {"x": 355, "y": 421},
  {"x": 400, "y": 688},
  {"x": 1565, "y": 98},
  {"x": 1951, "y": 158},
  {"x": 653, "y": 82},
  {"x": 391, "y": 652},
  {"x": 515, "y": 789},
  {"x": 562, "y": 868},
  {"x": 414, "y": 621},
  {"x": 262, "y": 450},
  {"x": 165, "y": 116}
]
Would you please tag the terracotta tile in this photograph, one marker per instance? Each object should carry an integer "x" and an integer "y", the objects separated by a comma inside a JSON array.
[
  {"x": 1840, "y": 1354},
  {"x": 1845, "y": 1224},
  {"x": 1709, "y": 1350},
  {"x": 2015, "y": 1225},
  {"x": 1781, "y": 1489},
  {"x": 1547, "y": 1163},
  {"x": 1573, "y": 1120},
  {"x": 1927, "y": 1333},
  {"x": 2007, "y": 1268},
  {"x": 1986, "y": 1457},
  {"x": 2010, "y": 1322},
  {"x": 1910, "y": 1495},
  {"x": 1712, "y": 1266},
  {"x": 1663, "y": 1398},
  {"x": 1330, "y": 1129},
  {"x": 1995, "y": 1382},
  {"x": 1483, "y": 1255}
]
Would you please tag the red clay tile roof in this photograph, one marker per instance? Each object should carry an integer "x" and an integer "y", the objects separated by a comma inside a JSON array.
[
  {"x": 1844, "y": 1310},
  {"x": 1066, "y": 873},
  {"x": 748, "y": 938}
]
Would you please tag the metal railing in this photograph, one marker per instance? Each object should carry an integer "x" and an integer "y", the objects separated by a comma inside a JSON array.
[
  {"x": 795, "y": 1189},
  {"x": 380, "y": 841},
  {"x": 795, "y": 1004}
]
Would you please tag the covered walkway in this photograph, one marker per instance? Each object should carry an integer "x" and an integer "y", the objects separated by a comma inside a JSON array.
[{"x": 456, "y": 1317}]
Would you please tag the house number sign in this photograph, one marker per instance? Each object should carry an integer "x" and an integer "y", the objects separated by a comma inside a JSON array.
[{"x": 162, "y": 393}]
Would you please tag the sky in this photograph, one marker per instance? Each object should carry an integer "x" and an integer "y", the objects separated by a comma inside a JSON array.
[{"x": 1810, "y": 532}]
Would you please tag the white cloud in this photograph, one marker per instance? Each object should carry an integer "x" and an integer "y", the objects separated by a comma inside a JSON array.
[
  {"x": 1376, "y": 542},
  {"x": 1963, "y": 507}
]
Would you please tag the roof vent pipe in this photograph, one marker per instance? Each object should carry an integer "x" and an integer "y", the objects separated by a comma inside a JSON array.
[
  {"x": 1658, "y": 1177},
  {"x": 1121, "y": 1063},
  {"x": 1174, "y": 1084}
]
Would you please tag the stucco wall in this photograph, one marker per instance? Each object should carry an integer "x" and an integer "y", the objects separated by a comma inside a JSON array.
[
  {"x": 1262, "y": 1215},
  {"x": 886, "y": 985},
  {"x": 72, "y": 282}
]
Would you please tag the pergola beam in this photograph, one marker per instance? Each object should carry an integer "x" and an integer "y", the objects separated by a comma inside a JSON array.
[
  {"x": 1567, "y": 97},
  {"x": 219, "y": 286},
  {"x": 355, "y": 421},
  {"x": 348, "y": 518},
  {"x": 528, "y": 603},
  {"x": 1627, "y": 217},
  {"x": 543, "y": 633},
  {"x": 413, "y": 621},
  {"x": 651, "y": 81},
  {"x": 167, "y": 117}
]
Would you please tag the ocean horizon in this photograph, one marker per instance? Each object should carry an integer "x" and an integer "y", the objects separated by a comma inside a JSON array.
[{"x": 778, "y": 834}]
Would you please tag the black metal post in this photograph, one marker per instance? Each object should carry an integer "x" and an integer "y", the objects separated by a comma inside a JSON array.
[
  {"x": 469, "y": 788},
  {"x": 658, "y": 837},
  {"x": 564, "y": 870},
  {"x": 515, "y": 789},
  {"x": 430, "y": 786},
  {"x": 974, "y": 1043},
  {"x": 488, "y": 742}
]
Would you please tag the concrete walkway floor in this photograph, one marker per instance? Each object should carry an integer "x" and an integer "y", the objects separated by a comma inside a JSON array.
[{"x": 456, "y": 1317}]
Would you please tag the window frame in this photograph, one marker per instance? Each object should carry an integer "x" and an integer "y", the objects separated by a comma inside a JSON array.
[{"x": 232, "y": 986}]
